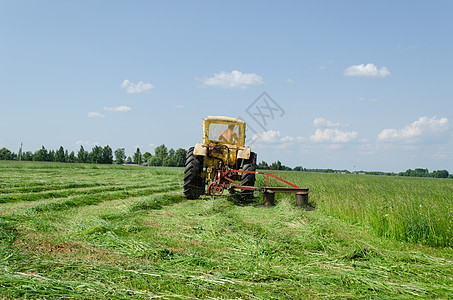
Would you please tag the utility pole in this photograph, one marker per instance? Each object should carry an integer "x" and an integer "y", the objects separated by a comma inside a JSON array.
[{"x": 20, "y": 152}]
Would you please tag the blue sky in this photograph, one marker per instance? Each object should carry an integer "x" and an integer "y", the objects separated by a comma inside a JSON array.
[{"x": 361, "y": 85}]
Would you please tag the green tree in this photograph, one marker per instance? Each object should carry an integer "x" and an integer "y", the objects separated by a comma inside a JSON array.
[
  {"x": 146, "y": 156},
  {"x": 262, "y": 165},
  {"x": 138, "y": 157},
  {"x": 160, "y": 156},
  {"x": 41, "y": 154},
  {"x": 170, "y": 160},
  {"x": 120, "y": 156},
  {"x": 72, "y": 157},
  {"x": 286, "y": 168},
  {"x": 155, "y": 161},
  {"x": 421, "y": 172},
  {"x": 5, "y": 154},
  {"x": 161, "y": 152},
  {"x": 276, "y": 165},
  {"x": 406, "y": 173},
  {"x": 51, "y": 155},
  {"x": 441, "y": 174},
  {"x": 96, "y": 155},
  {"x": 27, "y": 156},
  {"x": 180, "y": 157},
  {"x": 59, "y": 155},
  {"x": 107, "y": 155},
  {"x": 82, "y": 155}
]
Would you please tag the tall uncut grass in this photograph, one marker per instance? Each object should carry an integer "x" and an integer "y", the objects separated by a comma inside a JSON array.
[{"x": 418, "y": 210}]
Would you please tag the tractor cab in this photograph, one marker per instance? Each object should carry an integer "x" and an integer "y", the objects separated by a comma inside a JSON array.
[{"x": 224, "y": 130}]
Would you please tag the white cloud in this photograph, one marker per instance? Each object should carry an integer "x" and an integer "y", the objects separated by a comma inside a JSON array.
[
  {"x": 286, "y": 139},
  {"x": 329, "y": 135},
  {"x": 121, "y": 108},
  {"x": 273, "y": 137},
  {"x": 368, "y": 70},
  {"x": 323, "y": 123},
  {"x": 179, "y": 106},
  {"x": 140, "y": 87},
  {"x": 234, "y": 79},
  {"x": 95, "y": 115},
  {"x": 424, "y": 130},
  {"x": 269, "y": 136}
]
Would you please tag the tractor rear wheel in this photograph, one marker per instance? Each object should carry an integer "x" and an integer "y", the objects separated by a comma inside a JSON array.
[
  {"x": 248, "y": 179},
  {"x": 194, "y": 184}
]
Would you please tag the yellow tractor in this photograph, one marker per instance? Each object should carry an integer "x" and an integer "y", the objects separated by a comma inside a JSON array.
[{"x": 220, "y": 160}]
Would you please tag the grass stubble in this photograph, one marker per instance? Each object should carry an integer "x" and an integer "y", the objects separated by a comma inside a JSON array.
[{"x": 145, "y": 241}]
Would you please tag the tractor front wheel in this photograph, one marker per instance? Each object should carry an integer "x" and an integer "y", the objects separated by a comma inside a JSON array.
[{"x": 194, "y": 184}]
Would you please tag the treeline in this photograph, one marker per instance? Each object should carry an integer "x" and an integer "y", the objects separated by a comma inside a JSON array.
[
  {"x": 279, "y": 166},
  {"x": 98, "y": 155},
  {"x": 425, "y": 173},
  {"x": 419, "y": 172},
  {"x": 162, "y": 157},
  {"x": 101, "y": 155}
]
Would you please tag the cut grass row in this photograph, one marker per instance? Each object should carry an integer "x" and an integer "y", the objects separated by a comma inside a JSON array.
[
  {"x": 66, "y": 192},
  {"x": 45, "y": 186}
]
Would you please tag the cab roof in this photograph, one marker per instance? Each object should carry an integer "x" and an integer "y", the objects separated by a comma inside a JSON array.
[{"x": 227, "y": 119}]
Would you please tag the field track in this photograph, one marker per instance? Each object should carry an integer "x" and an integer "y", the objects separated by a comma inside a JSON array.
[{"x": 94, "y": 231}]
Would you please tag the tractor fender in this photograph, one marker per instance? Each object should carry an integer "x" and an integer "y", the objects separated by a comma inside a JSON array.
[
  {"x": 200, "y": 150},
  {"x": 244, "y": 153}
]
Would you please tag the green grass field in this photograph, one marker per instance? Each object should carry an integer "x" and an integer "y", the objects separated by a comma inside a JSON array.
[{"x": 91, "y": 231}]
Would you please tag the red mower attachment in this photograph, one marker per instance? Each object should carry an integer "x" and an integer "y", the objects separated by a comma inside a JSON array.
[{"x": 222, "y": 182}]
